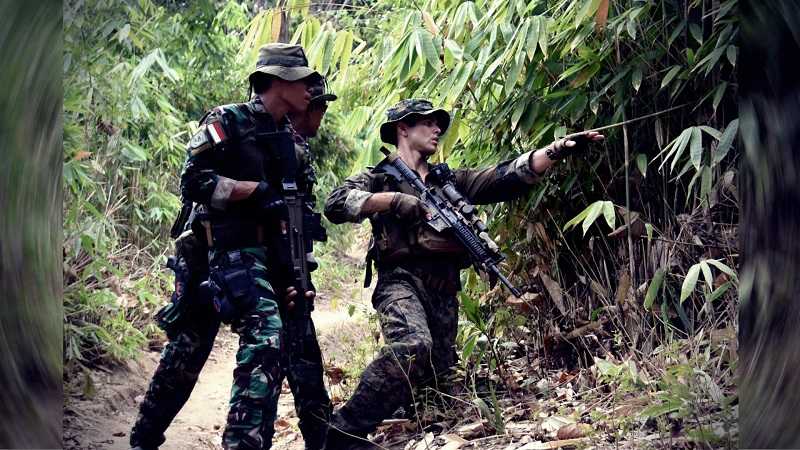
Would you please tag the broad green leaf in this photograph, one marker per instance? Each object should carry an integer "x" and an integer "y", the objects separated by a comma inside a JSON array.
[
  {"x": 513, "y": 74},
  {"x": 724, "y": 268},
  {"x": 726, "y": 141},
  {"x": 689, "y": 282},
  {"x": 731, "y": 54},
  {"x": 594, "y": 212},
  {"x": 653, "y": 288},
  {"x": 707, "y": 274},
  {"x": 543, "y": 36},
  {"x": 719, "y": 291},
  {"x": 430, "y": 53},
  {"x": 630, "y": 27},
  {"x": 641, "y": 163},
  {"x": 705, "y": 182},
  {"x": 696, "y": 148},
  {"x": 696, "y": 32},
  {"x": 533, "y": 37},
  {"x": 670, "y": 75},
  {"x": 577, "y": 219},
  {"x": 716, "y": 134},
  {"x": 608, "y": 213}
]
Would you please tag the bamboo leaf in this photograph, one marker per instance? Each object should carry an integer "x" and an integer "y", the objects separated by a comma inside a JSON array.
[
  {"x": 670, "y": 75},
  {"x": 594, "y": 212},
  {"x": 641, "y": 163},
  {"x": 731, "y": 54},
  {"x": 533, "y": 37},
  {"x": 696, "y": 148},
  {"x": 511, "y": 80},
  {"x": 707, "y": 274},
  {"x": 543, "y": 37},
  {"x": 430, "y": 24},
  {"x": 608, "y": 213},
  {"x": 429, "y": 51},
  {"x": 726, "y": 141},
  {"x": 636, "y": 78},
  {"x": 724, "y": 268},
  {"x": 689, "y": 282},
  {"x": 653, "y": 288},
  {"x": 718, "y": 292}
]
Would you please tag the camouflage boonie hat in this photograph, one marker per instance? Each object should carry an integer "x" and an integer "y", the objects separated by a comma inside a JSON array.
[
  {"x": 318, "y": 93},
  {"x": 408, "y": 107},
  {"x": 285, "y": 61}
]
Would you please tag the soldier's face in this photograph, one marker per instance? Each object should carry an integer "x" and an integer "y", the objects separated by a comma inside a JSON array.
[
  {"x": 295, "y": 94},
  {"x": 422, "y": 137}
]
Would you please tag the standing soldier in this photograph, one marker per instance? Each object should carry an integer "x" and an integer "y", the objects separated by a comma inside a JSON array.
[
  {"x": 238, "y": 176},
  {"x": 418, "y": 268}
]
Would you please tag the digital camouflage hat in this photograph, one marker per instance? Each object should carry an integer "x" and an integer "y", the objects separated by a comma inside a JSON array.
[
  {"x": 408, "y": 107},
  {"x": 285, "y": 61},
  {"x": 318, "y": 93}
]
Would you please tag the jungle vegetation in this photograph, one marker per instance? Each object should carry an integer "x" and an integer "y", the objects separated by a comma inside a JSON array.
[{"x": 628, "y": 254}]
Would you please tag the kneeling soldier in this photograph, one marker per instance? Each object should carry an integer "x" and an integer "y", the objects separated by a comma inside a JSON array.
[{"x": 418, "y": 268}]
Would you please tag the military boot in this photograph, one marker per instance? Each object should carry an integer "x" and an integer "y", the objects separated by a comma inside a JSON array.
[
  {"x": 338, "y": 440},
  {"x": 139, "y": 447}
]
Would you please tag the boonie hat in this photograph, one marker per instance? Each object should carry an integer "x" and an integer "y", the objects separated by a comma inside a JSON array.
[
  {"x": 285, "y": 61},
  {"x": 405, "y": 108}
]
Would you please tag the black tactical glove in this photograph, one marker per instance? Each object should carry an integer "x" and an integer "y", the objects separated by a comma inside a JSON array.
[
  {"x": 266, "y": 200},
  {"x": 569, "y": 146},
  {"x": 407, "y": 207}
]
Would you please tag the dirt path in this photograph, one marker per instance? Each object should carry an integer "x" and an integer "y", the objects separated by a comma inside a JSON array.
[{"x": 102, "y": 418}]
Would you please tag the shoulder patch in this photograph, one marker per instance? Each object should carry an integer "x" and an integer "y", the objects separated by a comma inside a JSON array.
[{"x": 200, "y": 141}]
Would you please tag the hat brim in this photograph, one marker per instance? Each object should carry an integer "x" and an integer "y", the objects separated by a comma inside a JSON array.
[
  {"x": 389, "y": 129},
  {"x": 324, "y": 98},
  {"x": 286, "y": 73}
]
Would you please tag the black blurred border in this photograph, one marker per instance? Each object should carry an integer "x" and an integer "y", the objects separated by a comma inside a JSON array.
[
  {"x": 769, "y": 321},
  {"x": 31, "y": 331}
]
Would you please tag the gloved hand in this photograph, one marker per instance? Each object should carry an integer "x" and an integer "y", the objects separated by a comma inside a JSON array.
[
  {"x": 407, "y": 207},
  {"x": 575, "y": 144},
  {"x": 266, "y": 200}
]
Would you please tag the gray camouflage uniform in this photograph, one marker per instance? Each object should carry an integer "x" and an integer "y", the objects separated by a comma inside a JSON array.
[{"x": 418, "y": 279}]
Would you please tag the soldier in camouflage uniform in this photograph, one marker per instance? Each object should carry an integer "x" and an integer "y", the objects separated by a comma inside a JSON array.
[
  {"x": 232, "y": 174},
  {"x": 191, "y": 337},
  {"x": 418, "y": 268}
]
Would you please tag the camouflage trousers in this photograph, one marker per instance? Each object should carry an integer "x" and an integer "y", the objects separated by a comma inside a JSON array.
[
  {"x": 261, "y": 364},
  {"x": 419, "y": 326}
]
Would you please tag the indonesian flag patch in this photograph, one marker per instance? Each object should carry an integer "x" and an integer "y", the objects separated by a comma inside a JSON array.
[{"x": 216, "y": 132}]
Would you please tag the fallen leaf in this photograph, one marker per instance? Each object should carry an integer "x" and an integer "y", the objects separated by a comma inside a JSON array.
[
  {"x": 602, "y": 15},
  {"x": 554, "y": 423},
  {"x": 555, "y": 292},
  {"x": 471, "y": 430},
  {"x": 452, "y": 442},
  {"x": 574, "y": 430}
]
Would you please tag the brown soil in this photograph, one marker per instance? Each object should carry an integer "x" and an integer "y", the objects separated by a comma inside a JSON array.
[{"x": 102, "y": 416}]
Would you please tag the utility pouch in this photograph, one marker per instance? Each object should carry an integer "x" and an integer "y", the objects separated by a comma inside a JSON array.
[
  {"x": 431, "y": 241},
  {"x": 231, "y": 289}
]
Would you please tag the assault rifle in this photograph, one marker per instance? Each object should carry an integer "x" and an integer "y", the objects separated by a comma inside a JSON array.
[
  {"x": 291, "y": 246},
  {"x": 453, "y": 212}
]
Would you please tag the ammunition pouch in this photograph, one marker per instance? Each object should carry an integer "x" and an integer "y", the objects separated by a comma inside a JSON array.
[
  {"x": 230, "y": 286},
  {"x": 429, "y": 240}
]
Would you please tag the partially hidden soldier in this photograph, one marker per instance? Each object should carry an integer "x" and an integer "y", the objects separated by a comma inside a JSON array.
[
  {"x": 417, "y": 267},
  {"x": 234, "y": 174}
]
